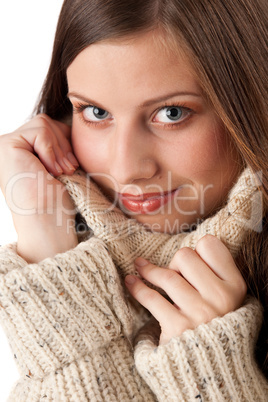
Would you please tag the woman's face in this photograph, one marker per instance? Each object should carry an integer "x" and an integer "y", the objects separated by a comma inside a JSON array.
[{"x": 144, "y": 131}]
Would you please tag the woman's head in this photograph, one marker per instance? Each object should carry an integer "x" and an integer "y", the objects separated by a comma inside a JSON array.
[
  {"x": 146, "y": 133},
  {"x": 226, "y": 42}
]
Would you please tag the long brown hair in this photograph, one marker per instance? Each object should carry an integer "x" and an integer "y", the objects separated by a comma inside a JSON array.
[{"x": 227, "y": 43}]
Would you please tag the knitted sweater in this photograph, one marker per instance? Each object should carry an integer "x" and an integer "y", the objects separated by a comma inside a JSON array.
[{"x": 71, "y": 324}]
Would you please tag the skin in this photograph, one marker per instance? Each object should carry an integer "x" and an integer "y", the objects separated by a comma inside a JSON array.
[
  {"x": 38, "y": 202},
  {"x": 135, "y": 149}
]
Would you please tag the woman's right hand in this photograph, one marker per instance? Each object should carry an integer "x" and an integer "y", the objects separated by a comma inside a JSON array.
[{"x": 30, "y": 160}]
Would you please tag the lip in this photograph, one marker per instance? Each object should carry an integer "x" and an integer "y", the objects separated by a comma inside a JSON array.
[{"x": 147, "y": 202}]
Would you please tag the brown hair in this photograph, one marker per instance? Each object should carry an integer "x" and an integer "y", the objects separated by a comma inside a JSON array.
[{"x": 227, "y": 43}]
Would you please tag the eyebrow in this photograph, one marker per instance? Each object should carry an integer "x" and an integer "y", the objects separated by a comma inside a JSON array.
[
  {"x": 169, "y": 96},
  {"x": 144, "y": 104}
]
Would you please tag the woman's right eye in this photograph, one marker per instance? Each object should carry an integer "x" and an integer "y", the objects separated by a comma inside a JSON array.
[{"x": 94, "y": 114}]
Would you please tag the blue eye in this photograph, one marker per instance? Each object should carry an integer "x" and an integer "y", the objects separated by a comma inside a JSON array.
[
  {"x": 171, "y": 114},
  {"x": 94, "y": 113}
]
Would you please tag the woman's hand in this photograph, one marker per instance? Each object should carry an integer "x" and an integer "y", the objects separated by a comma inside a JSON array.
[
  {"x": 43, "y": 137},
  {"x": 203, "y": 284},
  {"x": 30, "y": 160}
]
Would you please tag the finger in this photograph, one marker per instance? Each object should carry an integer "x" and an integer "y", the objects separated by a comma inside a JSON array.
[
  {"x": 65, "y": 158},
  {"x": 59, "y": 134},
  {"x": 217, "y": 256},
  {"x": 163, "y": 311},
  {"x": 42, "y": 137},
  {"x": 63, "y": 128},
  {"x": 180, "y": 291},
  {"x": 38, "y": 140},
  {"x": 62, "y": 133},
  {"x": 61, "y": 144},
  {"x": 194, "y": 269}
]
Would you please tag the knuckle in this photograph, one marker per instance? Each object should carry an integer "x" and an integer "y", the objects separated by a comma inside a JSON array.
[
  {"x": 49, "y": 128},
  {"x": 48, "y": 149},
  {"x": 185, "y": 253},
  {"x": 151, "y": 296},
  {"x": 44, "y": 141},
  {"x": 182, "y": 254},
  {"x": 168, "y": 276},
  {"x": 42, "y": 117},
  {"x": 241, "y": 287},
  {"x": 206, "y": 242},
  {"x": 226, "y": 302},
  {"x": 205, "y": 314},
  {"x": 145, "y": 294},
  {"x": 45, "y": 132}
]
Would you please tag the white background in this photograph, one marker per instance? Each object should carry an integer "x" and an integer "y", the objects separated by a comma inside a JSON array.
[{"x": 26, "y": 37}]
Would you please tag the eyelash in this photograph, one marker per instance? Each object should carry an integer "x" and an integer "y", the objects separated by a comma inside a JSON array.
[
  {"x": 80, "y": 107},
  {"x": 170, "y": 105}
]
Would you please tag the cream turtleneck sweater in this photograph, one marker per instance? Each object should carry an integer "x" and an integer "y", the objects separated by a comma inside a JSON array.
[{"x": 71, "y": 325}]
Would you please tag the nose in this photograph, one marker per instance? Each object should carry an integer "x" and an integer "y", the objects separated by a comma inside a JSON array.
[{"x": 131, "y": 154}]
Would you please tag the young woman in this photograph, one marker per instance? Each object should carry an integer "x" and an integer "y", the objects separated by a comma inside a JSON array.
[{"x": 162, "y": 106}]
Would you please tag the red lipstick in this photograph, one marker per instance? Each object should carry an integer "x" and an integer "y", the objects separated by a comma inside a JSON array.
[{"x": 145, "y": 203}]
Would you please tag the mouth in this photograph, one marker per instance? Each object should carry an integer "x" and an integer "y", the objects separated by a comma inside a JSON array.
[{"x": 145, "y": 203}]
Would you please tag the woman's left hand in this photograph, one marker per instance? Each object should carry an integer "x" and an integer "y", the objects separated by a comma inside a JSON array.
[{"x": 203, "y": 284}]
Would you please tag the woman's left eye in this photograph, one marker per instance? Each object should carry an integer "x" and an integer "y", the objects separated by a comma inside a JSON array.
[{"x": 171, "y": 114}]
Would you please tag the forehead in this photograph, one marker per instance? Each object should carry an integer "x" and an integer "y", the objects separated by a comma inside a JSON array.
[{"x": 149, "y": 60}]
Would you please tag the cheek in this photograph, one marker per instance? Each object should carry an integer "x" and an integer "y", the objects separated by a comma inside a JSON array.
[
  {"x": 213, "y": 152},
  {"x": 89, "y": 154},
  {"x": 219, "y": 167},
  {"x": 198, "y": 156},
  {"x": 207, "y": 160}
]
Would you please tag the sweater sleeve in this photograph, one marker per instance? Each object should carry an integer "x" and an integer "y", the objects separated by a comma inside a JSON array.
[
  {"x": 69, "y": 327},
  {"x": 214, "y": 362}
]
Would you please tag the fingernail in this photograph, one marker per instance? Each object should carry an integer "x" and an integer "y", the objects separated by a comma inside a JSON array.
[
  {"x": 58, "y": 168},
  {"x": 141, "y": 262},
  {"x": 72, "y": 159},
  {"x": 68, "y": 164},
  {"x": 130, "y": 279}
]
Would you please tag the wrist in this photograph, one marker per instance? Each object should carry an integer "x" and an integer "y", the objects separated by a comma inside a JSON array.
[{"x": 46, "y": 234}]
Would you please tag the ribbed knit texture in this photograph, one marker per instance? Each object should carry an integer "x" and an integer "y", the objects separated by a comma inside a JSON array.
[
  {"x": 205, "y": 364},
  {"x": 70, "y": 328},
  {"x": 70, "y": 323}
]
